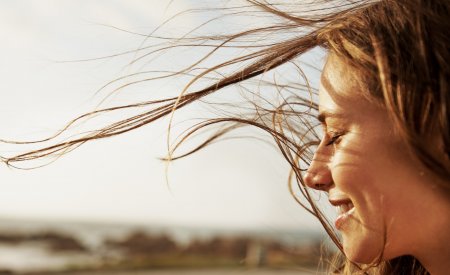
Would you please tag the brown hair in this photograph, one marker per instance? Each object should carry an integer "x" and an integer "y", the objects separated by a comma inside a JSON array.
[{"x": 398, "y": 48}]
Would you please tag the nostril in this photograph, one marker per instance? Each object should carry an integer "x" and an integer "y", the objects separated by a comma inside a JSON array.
[{"x": 321, "y": 186}]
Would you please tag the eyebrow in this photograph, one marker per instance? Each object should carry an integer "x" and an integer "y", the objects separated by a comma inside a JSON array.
[{"x": 326, "y": 114}]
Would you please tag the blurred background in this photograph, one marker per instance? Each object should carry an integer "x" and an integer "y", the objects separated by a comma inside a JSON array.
[{"x": 108, "y": 205}]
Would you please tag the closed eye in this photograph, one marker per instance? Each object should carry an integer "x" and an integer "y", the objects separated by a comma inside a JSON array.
[{"x": 333, "y": 139}]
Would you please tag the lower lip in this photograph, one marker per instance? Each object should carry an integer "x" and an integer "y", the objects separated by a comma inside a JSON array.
[{"x": 343, "y": 218}]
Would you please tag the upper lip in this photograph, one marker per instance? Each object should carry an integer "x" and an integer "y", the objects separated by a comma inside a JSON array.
[{"x": 340, "y": 201}]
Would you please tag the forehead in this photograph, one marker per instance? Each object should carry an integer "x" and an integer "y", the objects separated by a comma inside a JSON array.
[
  {"x": 339, "y": 79},
  {"x": 341, "y": 90}
]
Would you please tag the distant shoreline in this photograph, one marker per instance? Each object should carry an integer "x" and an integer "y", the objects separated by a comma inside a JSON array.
[{"x": 96, "y": 248}]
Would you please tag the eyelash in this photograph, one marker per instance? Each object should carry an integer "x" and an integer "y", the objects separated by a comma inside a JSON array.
[{"x": 333, "y": 138}]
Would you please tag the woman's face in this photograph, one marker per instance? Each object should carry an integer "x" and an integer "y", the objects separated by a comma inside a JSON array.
[{"x": 376, "y": 185}]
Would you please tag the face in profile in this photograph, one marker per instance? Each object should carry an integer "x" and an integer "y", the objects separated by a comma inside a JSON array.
[{"x": 379, "y": 189}]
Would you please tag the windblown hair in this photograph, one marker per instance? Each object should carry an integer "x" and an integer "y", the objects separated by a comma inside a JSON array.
[{"x": 397, "y": 48}]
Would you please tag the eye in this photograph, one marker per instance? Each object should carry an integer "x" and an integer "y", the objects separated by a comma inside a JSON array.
[{"x": 334, "y": 138}]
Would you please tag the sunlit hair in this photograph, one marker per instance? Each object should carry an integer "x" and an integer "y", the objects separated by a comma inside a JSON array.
[{"x": 397, "y": 48}]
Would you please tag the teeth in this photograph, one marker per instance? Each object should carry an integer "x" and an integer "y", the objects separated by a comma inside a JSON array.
[{"x": 344, "y": 208}]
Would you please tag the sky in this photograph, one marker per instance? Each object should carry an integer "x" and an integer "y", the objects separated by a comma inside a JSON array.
[{"x": 234, "y": 184}]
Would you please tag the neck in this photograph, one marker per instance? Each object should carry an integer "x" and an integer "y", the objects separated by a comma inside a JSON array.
[{"x": 434, "y": 253}]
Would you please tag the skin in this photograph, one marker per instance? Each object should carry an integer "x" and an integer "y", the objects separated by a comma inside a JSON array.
[{"x": 399, "y": 208}]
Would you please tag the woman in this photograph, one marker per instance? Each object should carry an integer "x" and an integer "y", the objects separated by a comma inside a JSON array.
[
  {"x": 384, "y": 158},
  {"x": 384, "y": 106}
]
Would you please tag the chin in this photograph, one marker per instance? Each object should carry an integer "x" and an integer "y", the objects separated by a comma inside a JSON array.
[{"x": 363, "y": 248}]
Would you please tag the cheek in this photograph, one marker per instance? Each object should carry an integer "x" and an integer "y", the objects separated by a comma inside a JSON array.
[
  {"x": 354, "y": 174},
  {"x": 351, "y": 165},
  {"x": 360, "y": 183},
  {"x": 356, "y": 171},
  {"x": 358, "y": 165}
]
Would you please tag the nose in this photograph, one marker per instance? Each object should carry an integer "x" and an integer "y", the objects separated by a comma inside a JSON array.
[{"x": 319, "y": 175}]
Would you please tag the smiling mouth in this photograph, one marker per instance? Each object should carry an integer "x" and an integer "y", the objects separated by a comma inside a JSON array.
[{"x": 344, "y": 209}]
